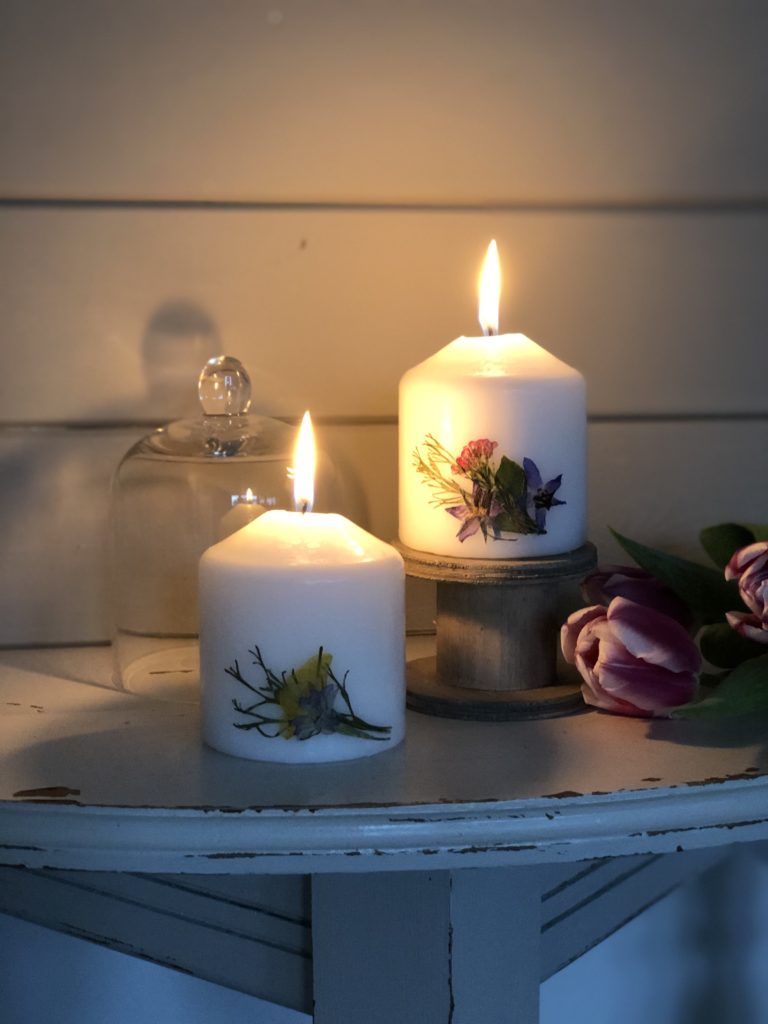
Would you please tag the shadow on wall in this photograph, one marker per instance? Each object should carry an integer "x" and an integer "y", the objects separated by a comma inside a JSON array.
[
  {"x": 67, "y": 476},
  {"x": 57, "y": 485},
  {"x": 180, "y": 337}
]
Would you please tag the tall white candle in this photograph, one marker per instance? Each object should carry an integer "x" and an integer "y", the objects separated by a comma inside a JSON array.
[
  {"x": 302, "y": 640},
  {"x": 492, "y": 446}
]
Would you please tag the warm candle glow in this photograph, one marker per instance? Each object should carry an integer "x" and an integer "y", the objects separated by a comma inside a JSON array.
[
  {"x": 304, "y": 461},
  {"x": 490, "y": 290}
]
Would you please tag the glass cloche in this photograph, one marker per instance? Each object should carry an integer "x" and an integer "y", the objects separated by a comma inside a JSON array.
[{"x": 178, "y": 490}]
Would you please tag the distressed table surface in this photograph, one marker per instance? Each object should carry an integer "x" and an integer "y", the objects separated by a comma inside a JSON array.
[{"x": 95, "y": 779}]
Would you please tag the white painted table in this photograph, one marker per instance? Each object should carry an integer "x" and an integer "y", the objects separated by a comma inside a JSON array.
[{"x": 440, "y": 881}]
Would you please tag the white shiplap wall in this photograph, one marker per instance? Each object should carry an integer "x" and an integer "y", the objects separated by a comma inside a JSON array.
[{"x": 311, "y": 186}]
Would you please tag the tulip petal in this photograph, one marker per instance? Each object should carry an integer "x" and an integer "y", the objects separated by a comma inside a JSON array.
[
  {"x": 594, "y": 586},
  {"x": 599, "y": 698},
  {"x": 748, "y": 625},
  {"x": 753, "y": 585},
  {"x": 648, "y": 687},
  {"x": 743, "y": 558},
  {"x": 572, "y": 627},
  {"x": 586, "y": 671},
  {"x": 609, "y": 581},
  {"x": 652, "y": 637}
]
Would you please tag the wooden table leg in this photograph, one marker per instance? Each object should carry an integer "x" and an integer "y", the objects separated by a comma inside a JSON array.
[{"x": 445, "y": 947}]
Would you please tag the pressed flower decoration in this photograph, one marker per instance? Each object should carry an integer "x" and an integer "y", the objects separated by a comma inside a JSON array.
[
  {"x": 640, "y": 643},
  {"x": 301, "y": 702},
  {"x": 487, "y": 493}
]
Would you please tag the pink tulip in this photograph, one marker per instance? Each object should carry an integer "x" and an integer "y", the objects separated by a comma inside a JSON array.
[
  {"x": 609, "y": 581},
  {"x": 749, "y": 566},
  {"x": 633, "y": 660}
]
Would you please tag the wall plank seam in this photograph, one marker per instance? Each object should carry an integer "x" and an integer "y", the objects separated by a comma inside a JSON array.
[
  {"x": 376, "y": 421},
  {"x": 662, "y": 205}
]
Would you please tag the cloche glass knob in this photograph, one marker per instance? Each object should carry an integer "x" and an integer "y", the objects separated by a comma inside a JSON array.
[{"x": 224, "y": 387}]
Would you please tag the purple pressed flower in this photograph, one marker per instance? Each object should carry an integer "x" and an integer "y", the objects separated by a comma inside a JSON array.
[
  {"x": 317, "y": 714},
  {"x": 477, "y": 514},
  {"x": 632, "y": 659},
  {"x": 540, "y": 497},
  {"x": 470, "y": 518}
]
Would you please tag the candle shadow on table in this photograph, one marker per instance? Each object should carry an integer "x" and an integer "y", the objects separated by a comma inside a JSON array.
[
  {"x": 430, "y": 768},
  {"x": 193, "y": 775},
  {"x": 89, "y": 665}
]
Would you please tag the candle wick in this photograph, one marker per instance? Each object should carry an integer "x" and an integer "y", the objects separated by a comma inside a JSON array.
[
  {"x": 304, "y": 507},
  {"x": 489, "y": 332}
]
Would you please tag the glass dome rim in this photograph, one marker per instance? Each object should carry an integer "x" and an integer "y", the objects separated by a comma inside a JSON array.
[{"x": 218, "y": 437}]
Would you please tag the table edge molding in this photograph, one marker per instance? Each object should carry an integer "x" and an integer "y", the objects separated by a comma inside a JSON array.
[{"x": 569, "y": 827}]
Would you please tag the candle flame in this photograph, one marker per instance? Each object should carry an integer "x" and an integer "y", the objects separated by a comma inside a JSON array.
[
  {"x": 490, "y": 290},
  {"x": 304, "y": 461},
  {"x": 249, "y": 495}
]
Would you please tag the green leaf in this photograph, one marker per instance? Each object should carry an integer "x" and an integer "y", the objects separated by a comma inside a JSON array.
[
  {"x": 744, "y": 692},
  {"x": 709, "y": 680},
  {"x": 510, "y": 480},
  {"x": 704, "y": 590},
  {"x": 722, "y": 540},
  {"x": 512, "y": 520},
  {"x": 759, "y": 530},
  {"x": 724, "y": 647}
]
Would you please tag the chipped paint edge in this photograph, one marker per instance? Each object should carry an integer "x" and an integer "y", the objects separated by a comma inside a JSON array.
[{"x": 557, "y": 828}]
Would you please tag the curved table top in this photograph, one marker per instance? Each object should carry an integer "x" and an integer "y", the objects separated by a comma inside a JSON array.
[{"x": 95, "y": 779}]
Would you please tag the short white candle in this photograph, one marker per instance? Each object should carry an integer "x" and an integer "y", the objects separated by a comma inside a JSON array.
[
  {"x": 278, "y": 599},
  {"x": 492, "y": 446},
  {"x": 245, "y": 508}
]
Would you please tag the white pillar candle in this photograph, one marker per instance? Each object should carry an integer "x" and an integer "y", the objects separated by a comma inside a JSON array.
[
  {"x": 302, "y": 645},
  {"x": 492, "y": 446}
]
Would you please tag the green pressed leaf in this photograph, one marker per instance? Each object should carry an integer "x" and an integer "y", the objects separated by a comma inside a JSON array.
[
  {"x": 514, "y": 521},
  {"x": 722, "y": 540},
  {"x": 510, "y": 479},
  {"x": 744, "y": 692},
  {"x": 704, "y": 590},
  {"x": 724, "y": 647}
]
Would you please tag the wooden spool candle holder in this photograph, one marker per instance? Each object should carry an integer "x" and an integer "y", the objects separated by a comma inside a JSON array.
[{"x": 498, "y": 622}]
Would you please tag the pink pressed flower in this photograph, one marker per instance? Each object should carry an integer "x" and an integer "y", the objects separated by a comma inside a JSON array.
[
  {"x": 749, "y": 566},
  {"x": 474, "y": 456},
  {"x": 633, "y": 660}
]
